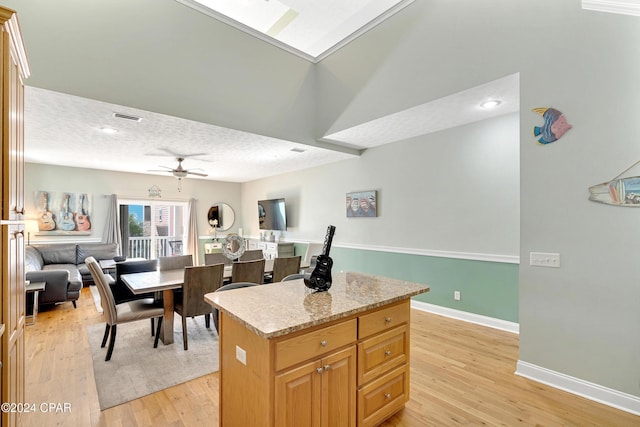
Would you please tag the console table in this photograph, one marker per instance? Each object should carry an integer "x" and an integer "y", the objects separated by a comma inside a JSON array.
[
  {"x": 338, "y": 358},
  {"x": 34, "y": 288}
]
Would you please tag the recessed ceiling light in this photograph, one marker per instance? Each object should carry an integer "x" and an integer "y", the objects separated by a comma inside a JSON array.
[
  {"x": 298, "y": 150},
  {"x": 492, "y": 103},
  {"x": 108, "y": 131}
]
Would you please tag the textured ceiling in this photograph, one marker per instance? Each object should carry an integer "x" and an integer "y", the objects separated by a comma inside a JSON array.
[{"x": 64, "y": 130}]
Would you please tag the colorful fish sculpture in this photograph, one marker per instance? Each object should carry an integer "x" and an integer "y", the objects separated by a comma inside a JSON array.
[{"x": 555, "y": 125}]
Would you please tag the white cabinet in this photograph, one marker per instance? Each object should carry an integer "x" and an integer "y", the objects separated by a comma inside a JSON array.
[{"x": 271, "y": 250}]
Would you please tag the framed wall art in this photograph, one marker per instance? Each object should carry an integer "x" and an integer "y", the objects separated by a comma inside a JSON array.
[
  {"x": 362, "y": 204},
  {"x": 63, "y": 213}
]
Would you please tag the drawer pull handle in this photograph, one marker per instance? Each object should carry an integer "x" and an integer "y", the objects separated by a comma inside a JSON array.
[
  {"x": 387, "y": 353},
  {"x": 323, "y": 343},
  {"x": 319, "y": 370},
  {"x": 327, "y": 367},
  {"x": 388, "y": 319},
  {"x": 387, "y": 396}
]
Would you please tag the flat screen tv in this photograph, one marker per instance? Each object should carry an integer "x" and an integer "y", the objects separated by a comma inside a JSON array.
[{"x": 272, "y": 214}]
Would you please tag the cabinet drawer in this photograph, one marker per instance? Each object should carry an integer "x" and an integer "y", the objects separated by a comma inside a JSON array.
[
  {"x": 383, "y": 397},
  {"x": 384, "y": 319},
  {"x": 313, "y": 344},
  {"x": 380, "y": 353}
]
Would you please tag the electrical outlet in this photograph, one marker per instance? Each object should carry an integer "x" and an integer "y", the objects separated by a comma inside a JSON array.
[
  {"x": 241, "y": 355},
  {"x": 456, "y": 295},
  {"x": 544, "y": 259}
]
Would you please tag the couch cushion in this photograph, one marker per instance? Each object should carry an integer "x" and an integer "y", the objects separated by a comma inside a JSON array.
[
  {"x": 75, "y": 279},
  {"x": 32, "y": 259},
  {"x": 58, "y": 253},
  {"x": 97, "y": 250}
]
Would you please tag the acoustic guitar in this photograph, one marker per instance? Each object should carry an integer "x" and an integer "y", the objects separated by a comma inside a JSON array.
[
  {"x": 66, "y": 221},
  {"x": 82, "y": 218},
  {"x": 46, "y": 222},
  {"x": 320, "y": 279}
]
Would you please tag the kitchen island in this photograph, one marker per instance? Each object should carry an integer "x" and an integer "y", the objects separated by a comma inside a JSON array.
[{"x": 293, "y": 357}]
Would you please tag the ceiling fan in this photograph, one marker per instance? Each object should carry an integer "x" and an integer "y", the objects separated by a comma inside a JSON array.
[{"x": 179, "y": 172}]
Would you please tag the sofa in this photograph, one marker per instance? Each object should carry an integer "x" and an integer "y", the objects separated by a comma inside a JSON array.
[{"x": 62, "y": 267}]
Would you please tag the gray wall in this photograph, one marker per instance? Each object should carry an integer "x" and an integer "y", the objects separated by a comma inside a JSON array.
[
  {"x": 450, "y": 191},
  {"x": 581, "y": 319},
  {"x": 99, "y": 183}
]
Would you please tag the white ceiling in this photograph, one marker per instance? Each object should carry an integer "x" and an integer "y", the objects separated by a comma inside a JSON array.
[{"x": 62, "y": 129}]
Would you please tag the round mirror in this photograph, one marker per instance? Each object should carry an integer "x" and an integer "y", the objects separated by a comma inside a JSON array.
[{"x": 221, "y": 216}]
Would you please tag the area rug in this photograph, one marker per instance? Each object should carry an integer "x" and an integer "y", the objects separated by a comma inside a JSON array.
[{"x": 136, "y": 369}]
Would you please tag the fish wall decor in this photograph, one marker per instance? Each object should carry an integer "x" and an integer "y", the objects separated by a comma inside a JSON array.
[
  {"x": 619, "y": 191},
  {"x": 555, "y": 125}
]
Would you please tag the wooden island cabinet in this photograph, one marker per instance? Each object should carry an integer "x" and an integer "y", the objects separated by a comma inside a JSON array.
[{"x": 293, "y": 357}]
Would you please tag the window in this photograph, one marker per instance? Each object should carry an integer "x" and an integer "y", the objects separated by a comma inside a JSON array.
[{"x": 150, "y": 229}]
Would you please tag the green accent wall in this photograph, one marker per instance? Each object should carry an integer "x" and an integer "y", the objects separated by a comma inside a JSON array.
[{"x": 487, "y": 288}]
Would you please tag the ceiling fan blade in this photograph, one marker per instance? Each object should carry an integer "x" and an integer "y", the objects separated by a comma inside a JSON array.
[
  {"x": 159, "y": 170},
  {"x": 196, "y": 173},
  {"x": 163, "y": 152}
]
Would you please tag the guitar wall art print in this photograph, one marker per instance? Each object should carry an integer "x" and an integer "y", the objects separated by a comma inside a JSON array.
[
  {"x": 72, "y": 213},
  {"x": 81, "y": 216},
  {"x": 46, "y": 221}
]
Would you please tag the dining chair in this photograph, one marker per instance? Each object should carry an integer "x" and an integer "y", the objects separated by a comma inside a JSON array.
[
  {"x": 216, "y": 258},
  {"x": 124, "y": 312},
  {"x": 174, "y": 262},
  {"x": 198, "y": 281},
  {"x": 284, "y": 266},
  {"x": 230, "y": 286},
  {"x": 248, "y": 271},
  {"x": 121, "y": 292},
  {"x": 251, "y": 255}
]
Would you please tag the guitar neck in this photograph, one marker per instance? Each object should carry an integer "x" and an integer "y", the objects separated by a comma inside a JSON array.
[{"x": 328, "y": 239}]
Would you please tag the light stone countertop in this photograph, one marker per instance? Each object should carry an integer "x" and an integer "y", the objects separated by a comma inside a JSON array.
[{"x": 281, "y": 308}]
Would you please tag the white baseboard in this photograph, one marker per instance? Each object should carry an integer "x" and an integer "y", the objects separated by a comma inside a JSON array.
[
  {"x": 617, "y": 399},
  {"x": 467, "y": 317}
]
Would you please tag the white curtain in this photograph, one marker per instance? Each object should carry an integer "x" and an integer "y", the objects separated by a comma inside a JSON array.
[
  {"x": 192, "y": 233},
  {"x": 112, "y": 227}
]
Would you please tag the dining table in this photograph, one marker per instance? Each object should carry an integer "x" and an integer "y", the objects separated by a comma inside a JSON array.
[{"x": 166, "y": 281}]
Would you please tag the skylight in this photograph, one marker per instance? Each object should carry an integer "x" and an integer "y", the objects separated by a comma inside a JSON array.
[{"x": 310, "y": 29}]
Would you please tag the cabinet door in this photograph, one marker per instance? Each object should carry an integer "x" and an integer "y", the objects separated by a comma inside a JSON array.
[
  {"x": 297, "y": 396},
  {"x": 13, "y": 311},
  {"x": 339, "y": 389}
]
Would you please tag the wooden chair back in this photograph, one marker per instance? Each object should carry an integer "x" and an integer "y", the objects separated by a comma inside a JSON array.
[
  {"x": 198, "y": 281},
  {"x": 216, "y": 258},
  {"x": 174, "y": 262},
  {"x": 248, "y": 271},
  {"x": 284, "y": 266},
  {"x": 252, "y": 255}
]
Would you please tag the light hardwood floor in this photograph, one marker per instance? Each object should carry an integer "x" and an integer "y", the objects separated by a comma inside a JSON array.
[{"x": 461, "y": 374}]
